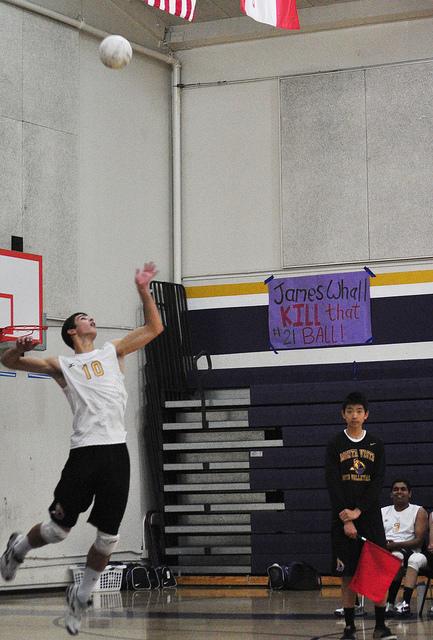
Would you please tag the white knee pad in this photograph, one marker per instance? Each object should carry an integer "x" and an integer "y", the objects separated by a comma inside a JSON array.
[
  {"x": 417, "y": 561},
  {"x": 105, "y": 543},
  {"x": 51, "y": 532}
]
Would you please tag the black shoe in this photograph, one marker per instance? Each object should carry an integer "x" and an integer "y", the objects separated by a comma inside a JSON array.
[
  {"x": 383, "y": 633},
  {"x": 349, "y": 633}
]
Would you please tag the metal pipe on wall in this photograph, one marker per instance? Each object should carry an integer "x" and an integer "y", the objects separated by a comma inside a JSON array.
[{"x": 177, "y": 174}]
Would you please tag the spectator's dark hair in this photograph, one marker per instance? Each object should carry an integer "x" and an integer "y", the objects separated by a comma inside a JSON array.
[
  {"x": 69, "y": 323},
  {"x": 404, "y": 481},
  {"x": 355, "y": 398}
]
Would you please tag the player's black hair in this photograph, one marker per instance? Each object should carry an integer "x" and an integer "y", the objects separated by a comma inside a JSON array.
[
  {"x": 355, "y": 398},
  {"x": 69, "y": 323},
  {"x": 403, "y": 481}
]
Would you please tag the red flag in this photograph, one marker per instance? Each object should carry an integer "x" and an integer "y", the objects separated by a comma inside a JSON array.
[
  {"x": 182, "y": 8},
  {"x": 279, "y": 13},
  {"x": 376, "y": 570}
]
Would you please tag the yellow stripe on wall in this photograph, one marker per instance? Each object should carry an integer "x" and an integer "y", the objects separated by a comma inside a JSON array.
[
  {"x": 402, "y": 277},
  {"x": 239, "y": 289},
  {"x": 249, "y": 288}
]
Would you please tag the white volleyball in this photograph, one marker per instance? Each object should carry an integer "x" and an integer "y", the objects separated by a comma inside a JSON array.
[{"x": 115, "y": 52}]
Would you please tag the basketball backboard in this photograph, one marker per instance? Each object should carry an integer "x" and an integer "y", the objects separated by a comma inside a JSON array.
[{"x": 20, "y": 295}]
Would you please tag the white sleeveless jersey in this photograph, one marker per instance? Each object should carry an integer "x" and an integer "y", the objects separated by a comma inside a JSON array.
[
  {"x": 96, "y": 393},
  {"x": 400, "y": 525}
]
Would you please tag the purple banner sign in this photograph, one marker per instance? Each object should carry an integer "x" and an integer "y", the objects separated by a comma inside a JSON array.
[{"x": 319, "y": 311}]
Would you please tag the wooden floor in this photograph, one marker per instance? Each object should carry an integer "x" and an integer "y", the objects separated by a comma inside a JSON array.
[{"x": 195, "y": 613}]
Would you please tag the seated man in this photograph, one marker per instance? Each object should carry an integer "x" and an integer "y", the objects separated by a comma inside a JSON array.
[{"x": 405, "y": 527}]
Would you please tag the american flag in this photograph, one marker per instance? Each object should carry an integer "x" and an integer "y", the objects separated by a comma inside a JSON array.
[{"x": 182, "y": 8}]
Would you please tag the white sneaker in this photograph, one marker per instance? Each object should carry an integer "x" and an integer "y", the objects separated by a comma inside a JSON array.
[
  {"x": 359, "y": 611},
  {"x": 9, "y": 563},
  {"x": 389, "y": 609},
  {"x": 402, "y": 609},
  {"x": 74, "y": 610}
]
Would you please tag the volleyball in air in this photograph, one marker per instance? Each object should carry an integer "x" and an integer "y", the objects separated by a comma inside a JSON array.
[{"x": 115, "y": 52}]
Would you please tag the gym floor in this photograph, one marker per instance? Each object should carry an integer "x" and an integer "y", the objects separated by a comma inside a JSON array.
[{"x": 195, "y": 613}]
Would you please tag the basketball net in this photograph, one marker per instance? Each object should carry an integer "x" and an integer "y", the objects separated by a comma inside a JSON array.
[{"x": 14, "y": 331}]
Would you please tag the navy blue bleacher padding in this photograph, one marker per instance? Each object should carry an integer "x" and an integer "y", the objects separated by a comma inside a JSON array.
[
  {"x": 282, "y": 522},
  {"x": 308, "y": 499},
  {"x": 290, "y": 457},
  {"x": 421, "y": 452},
  {"x": 343, "y": 372},
  {"x": 318, "y": 392},
  {"x": 298, "y": 544},
  {"x": 267, "y": 479}
]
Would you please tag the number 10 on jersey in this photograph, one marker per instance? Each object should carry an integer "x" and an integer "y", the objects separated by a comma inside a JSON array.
[{"x": 97, "y": 369}]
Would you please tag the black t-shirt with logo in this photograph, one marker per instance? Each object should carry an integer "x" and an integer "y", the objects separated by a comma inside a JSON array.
[{"x": 355, "y": 472}]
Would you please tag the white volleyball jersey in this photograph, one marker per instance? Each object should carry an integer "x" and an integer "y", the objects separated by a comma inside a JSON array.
[
  {"x": 96, "y": 393},
  {"x": 400, "y": 525}
]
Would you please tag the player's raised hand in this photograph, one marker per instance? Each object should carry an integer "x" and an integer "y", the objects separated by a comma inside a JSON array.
[
  {"x": 145, "y": 275},
  {"x": 25, "y": 343}
]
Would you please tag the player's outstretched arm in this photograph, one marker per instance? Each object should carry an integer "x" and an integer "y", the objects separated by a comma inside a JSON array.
[
  {"x": 153, "y": 326},
  {"x": 13, "y": 359}
]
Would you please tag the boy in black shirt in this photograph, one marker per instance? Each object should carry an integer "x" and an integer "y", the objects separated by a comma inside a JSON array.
[{"x": 355, "y": 467}]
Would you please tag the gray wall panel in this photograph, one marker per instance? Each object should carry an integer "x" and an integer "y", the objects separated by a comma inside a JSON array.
[
  {"x": 10, "y": 182},
  {"x": 11, "y": 69},
  {"x": 323, "y": 169},
  {"x": 230, "y": 178},
  {"x": 400, "y": 149},
  {"x": 50, "y": 73},
  {"x": 50, "y": 211}
]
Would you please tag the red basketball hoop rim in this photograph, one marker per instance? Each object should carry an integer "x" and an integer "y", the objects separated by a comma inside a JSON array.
[{"x": 10, "y": 332}]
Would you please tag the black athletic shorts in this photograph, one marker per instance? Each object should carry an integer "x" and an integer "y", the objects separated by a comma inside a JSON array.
[
  {"x": 346, "y": 550},
  {"x": 99, "y": 473}
]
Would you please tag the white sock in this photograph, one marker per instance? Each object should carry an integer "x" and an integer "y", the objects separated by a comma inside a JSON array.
[
  {"x": 87, "y": 584},
  {"x": 22, "y": 547}
]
